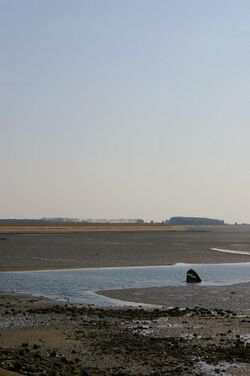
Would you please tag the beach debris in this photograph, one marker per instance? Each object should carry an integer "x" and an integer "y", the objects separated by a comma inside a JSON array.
[{"x": 192, "y": 277}]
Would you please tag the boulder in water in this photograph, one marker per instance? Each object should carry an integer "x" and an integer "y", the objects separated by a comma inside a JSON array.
[{"x": 192, "y": 277}]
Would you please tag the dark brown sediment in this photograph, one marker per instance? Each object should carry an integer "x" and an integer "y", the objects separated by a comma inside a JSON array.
[{"x": 41, "y": 337}]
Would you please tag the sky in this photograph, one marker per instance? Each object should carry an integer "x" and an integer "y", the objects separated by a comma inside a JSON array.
[{"x": 125, "y": 109}]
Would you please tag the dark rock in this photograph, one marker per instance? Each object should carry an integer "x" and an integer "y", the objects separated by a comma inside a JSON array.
[
  {"x": 83, "y": 372},
  {"x": 192, "y": 277},
  {"x": 52, "y": 372},
  {"x": 17, "y": 366}
]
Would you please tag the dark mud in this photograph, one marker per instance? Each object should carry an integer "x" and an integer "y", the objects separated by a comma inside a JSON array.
[{"x": 42, "y": 338}]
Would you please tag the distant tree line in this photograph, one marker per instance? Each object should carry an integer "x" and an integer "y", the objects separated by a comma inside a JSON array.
[
  {"x": 171, "y": 221},
  {"x": 195, "y": 221},
  {"x": 21, "y": 221},
  {"x": 69, "y": 220},
  {"x": 116, "y": 220}
]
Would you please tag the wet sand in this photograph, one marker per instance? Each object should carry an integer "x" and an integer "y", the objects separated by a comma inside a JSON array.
[
  {"x": 233, "y": 297},
  {"x": 39, "y": 337},
  {"x": 122, "y": 248},
  {"x": 4, "y": 372}
]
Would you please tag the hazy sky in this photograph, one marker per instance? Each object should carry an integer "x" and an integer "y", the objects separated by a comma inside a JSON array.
[{"x": 125, "y": 108}]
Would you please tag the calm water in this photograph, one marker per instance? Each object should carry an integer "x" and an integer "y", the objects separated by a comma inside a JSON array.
[{"x": 80, "y": 285}]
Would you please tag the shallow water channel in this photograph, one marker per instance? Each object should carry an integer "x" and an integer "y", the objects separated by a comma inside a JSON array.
[{"x": 79, "y": 285}]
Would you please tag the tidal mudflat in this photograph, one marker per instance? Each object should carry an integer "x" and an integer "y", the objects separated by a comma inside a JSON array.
[
  {"x": 234, "y": 297},
  {"x": 130, "y": 247},
  {"x": 207, "y": 335},
  {"x": 40, "y": 337}
]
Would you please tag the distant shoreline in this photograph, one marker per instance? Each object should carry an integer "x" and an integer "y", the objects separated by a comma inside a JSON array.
[
  {"x": 78, "y": 228},
  {"x": 70, "y": 228}
]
